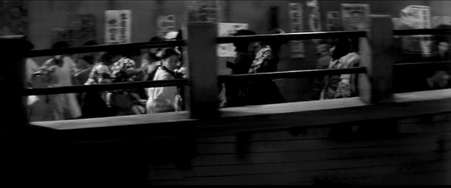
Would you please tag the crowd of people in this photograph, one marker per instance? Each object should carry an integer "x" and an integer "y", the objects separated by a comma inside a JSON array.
[
  {"x": 167, "y": 64},
  {"x": 126, "y": 65}
]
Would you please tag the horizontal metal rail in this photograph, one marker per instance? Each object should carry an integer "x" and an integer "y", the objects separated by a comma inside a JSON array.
[
  {"x": 292, "y": 74},
  {"x": 98, "y": 48},
  {"x": 105, "y": 87},
  {"x": 422, "y": 63},
  {"x": 180, "y": 82},
  {"x": 404, "y": 32},
  {"x": 291, "y": 36}
]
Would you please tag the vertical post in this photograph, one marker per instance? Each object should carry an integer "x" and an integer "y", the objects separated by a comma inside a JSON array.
[
  {"x": 380, "y": 70},
  {"x": 202, "y": 99},
  {"x": 13, "y": 114}
]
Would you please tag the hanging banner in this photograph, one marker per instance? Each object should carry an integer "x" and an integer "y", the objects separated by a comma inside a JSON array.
[
  {"x": 355, "y": 17},
  {"x": 314, "y": 19},
  {"x": 202, "y": 11},
  {"x": 165, "y": 24},
  {"x": 333, "y": 20},
  {"x": 295, "y": 13},
  {"x": 118, "y": 26},
  {"x": 416, "y": 17},
  {"x": 227, "y": 29}
]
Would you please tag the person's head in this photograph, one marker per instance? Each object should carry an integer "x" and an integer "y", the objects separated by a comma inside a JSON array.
[
  {"x": 340, "y": 48},
  {"x": 155, "y": 53},
  {"x": 438, "y": 78},
  {"x": 59, "y": 45},
  {"x": 323, "y": 50},
  {"x": 170, "y": 59},
  {"x": 275, "y": 44},
  {"x": 132, "y": 53},
  {"x": 90, "y": 57},
  {"x": 243, "y": 46},
  {"x": 105, "y": 58}
]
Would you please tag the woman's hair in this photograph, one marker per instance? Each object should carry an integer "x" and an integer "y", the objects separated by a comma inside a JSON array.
[
  {"x": 242, "y": 46},
  {"x": 105, "y": 57},
  {"x": 156, "y": 39},
  {"x": 168, "y": 52},
  {"x": 342, "y": 47},
  {"x": 89, "y": 58},
  {"x": 130, "y": 52},
  {"x": 274, "y": 44}
]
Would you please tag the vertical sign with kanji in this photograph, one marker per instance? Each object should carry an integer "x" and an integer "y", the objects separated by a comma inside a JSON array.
[
  {"x": 295, "y": 11},
  {"x": 118, "y": 26},
  {"x": 202, "y": 10},
  {"x": 314, "y": 20},
  {"x": 333, "y": 21},
  {"x": 355, "y": 17},
  {"x": 416, "y": 17},
  {"x": 165, "y": 24}
]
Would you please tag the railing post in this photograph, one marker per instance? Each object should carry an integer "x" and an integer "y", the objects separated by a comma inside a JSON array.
[
  {"x": 202, "y": 95},
  {"x": 380, "y": 67},
  {"x": 13, "y": 114}
]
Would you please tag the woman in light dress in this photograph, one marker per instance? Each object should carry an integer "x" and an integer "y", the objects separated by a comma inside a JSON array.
[
  {"x": 61, "y": 68},
  {"x": 165, "y": 99}
]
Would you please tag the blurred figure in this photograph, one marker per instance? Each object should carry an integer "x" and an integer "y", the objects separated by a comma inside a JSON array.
[
  {"x": 38, "y": 105},
  {"x": 165, "y": 99},
  {"x": 128, "y": 101},
  {"x": 62, "y": 68},
  {"x": 181, "y": 72},
  {"x": 442, "y": 53},
  {"x": 265, "y": 91},
  {"x": 100, "y": 73},
  {"x": 436, "y": 78},
  {"x": 151, "y": 60},
  {"x": 324, "y": 58},
  {"x": 85, "y": 64},
  {"x": 343, "y": 56},
  {"x": 94, "y": 104},
  {"x": 235, "y": 90}
]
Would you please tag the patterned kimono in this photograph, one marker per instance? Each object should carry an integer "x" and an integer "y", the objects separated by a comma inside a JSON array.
[
  {"x": 263, "y": 91},
  {"x": 341, "y": 86}
]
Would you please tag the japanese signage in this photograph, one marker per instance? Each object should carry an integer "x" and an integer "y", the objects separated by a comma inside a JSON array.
[
  {"x": 202, "y": 10},
  {"x": 314, "y": 20},
  {"x": 295, "y": 11},
  {"x": 355, "y": 17},
  {"x": 165, "y": 24},
  {"x": 416, "y": 17},
  {"x": 118, "y": 26},
  {"x": 333, "y": 20},
  {"x": 227, "y": 29}
]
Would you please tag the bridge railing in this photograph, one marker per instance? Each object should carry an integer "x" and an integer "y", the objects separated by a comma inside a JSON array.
[{"x": 201, "y": 39}]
